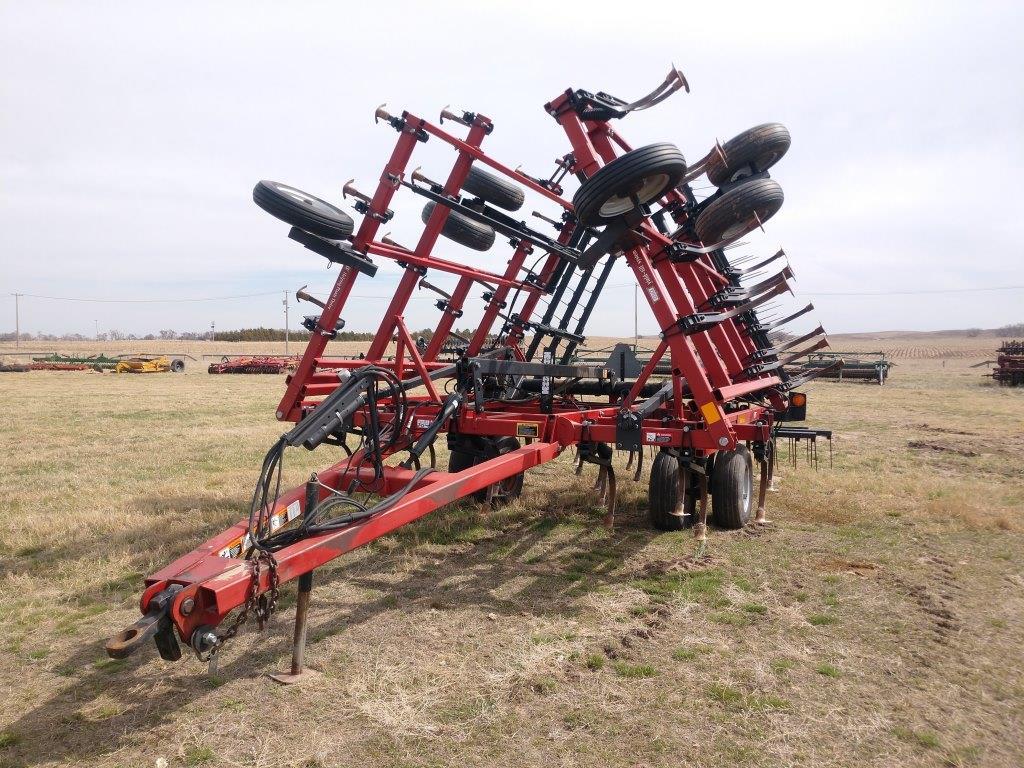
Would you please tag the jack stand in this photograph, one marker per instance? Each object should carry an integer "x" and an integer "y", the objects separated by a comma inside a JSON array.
[
  {"x": 298, "y": 672},
  {"x": 759, "y": 518},
  {"x": 700, "y": 528}
]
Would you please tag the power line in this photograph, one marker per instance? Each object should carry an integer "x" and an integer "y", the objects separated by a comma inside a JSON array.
[
  {"x": 148, "y": 301},
  {"x": 917, "y": 293},
  {"x": 177, "y": 301}
]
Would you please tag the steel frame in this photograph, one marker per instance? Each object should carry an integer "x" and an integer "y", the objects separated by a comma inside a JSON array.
[{"x": 716, "y": 398}]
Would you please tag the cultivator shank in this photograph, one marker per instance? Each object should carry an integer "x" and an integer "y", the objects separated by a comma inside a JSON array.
[{"x": 708, "y": 399}]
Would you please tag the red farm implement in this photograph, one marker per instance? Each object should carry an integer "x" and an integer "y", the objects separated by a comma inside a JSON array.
[
  {"x": 1009, "y": 365},
  {"x": 251, "y": 365},
  {"x": 709, "y": 400}
]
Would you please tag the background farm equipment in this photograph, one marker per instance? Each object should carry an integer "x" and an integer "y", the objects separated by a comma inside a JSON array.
[
  {"x": 709, "y": 400},
  {"x": 54, "y": 366},
  {"x": 1009, "y": 364},
  {"x": 98, "y": 362},
  {"x": 263, "y": 364},
  {"x": 869, "y": 366},
  {"x": 149, "y": 364}
]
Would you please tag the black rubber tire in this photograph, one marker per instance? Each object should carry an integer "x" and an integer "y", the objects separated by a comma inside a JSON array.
[
  {"x": 753, "y": 151},
  {"x": 732, "y": 488},
  {"x": 494, "y": 189},
  {"x": 513, "y": 486},
  {"x": 637, "y": 172},
  {"x": 731, "y": 215},
  {"x": 302, "y": 210},
  {"x": 462, "y": 229},
  {"x": 177, "y": 366},
  {"x": 665, "y": 496}
]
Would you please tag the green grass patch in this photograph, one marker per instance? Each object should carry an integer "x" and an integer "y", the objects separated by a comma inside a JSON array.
[
  {"x": 781, "y": 666},
  {"x": 544, "y": 684},
  {"x": 198, "y": 755},
  {"x": 821, "y": 619},
  {"x": 743, "y": 584},
  {"x": 729, "y": 618},
  {"x": 696, "y": 586},
  {"x": 634, "y": 671},
  {"x": 925, "y": 739},
  {"x": 689, "y": 653},
  {"x": 546, "y": 638},
  {"x": 755, "y": 608},
  {"x": 8, "y": 739},
  {"x": 595, "y": 661},
  {"x": 110, "y": 665},
  {"x": 828, "y": 670},
  {"x": 724, "y": 694}
]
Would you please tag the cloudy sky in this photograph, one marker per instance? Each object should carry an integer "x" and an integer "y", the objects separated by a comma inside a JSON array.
[{"x": 131, "y": 135}]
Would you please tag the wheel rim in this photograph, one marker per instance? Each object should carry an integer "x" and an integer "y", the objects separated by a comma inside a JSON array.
[
  {"x": 648, "y": 188},
  {"x": 747, "y": 493},
  {"x": 505, "y": 489},
  {"x": 737, "y": 229},
  {"x": 302, "y": 197}
]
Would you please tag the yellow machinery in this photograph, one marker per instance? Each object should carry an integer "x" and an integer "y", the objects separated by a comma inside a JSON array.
[{"x": 161, "y": 364}]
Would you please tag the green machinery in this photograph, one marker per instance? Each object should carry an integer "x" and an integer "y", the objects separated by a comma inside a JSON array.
[{"x": 871, "y": 366}]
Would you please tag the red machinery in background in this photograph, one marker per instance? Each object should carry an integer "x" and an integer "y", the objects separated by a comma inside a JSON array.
[{"x": 710, "y": 399}]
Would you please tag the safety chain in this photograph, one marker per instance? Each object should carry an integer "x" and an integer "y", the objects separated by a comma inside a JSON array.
[{"x": 262, "y": 606}]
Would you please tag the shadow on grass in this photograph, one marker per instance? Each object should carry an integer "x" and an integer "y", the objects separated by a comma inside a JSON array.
[{"x": 574, "y": 555}]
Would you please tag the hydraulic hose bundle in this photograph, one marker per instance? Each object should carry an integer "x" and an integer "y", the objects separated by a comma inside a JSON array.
[{"x": 328, "y": 422}]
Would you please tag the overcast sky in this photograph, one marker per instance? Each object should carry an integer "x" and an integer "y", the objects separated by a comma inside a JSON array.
[{"x": 131, "y": 135}]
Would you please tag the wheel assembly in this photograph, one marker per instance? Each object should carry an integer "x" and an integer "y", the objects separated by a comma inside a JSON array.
[
  {"x": 462, "y": 229},
  {"x": 671, "y": 501},
  {"x": 732, "y": 488},
  {"x": 627, "y": 182},
  {"x": 493, "y": 189},
  {"x": 302, "y": 210},
  {"x": 752, "y": 152},
  {"x": 739, "y": 210},
  {"x": 469, "y": 452}
]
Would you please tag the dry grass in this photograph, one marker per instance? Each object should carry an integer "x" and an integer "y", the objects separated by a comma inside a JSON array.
[{"x": 878, "y": 622}]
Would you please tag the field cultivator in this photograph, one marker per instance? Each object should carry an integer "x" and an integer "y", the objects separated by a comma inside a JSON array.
[
  {"x": 709, "y": 401},
  {"x": 254, "y": 365},
  {"x": 44, "y": 365},
  {"x": 862, "y": 366},
  {"x": 80, "y": 362},
  {"x": 1009, "y": 364}
]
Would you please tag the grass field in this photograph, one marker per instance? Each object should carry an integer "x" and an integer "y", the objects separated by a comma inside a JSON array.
[{"x": 878, "y": 620}]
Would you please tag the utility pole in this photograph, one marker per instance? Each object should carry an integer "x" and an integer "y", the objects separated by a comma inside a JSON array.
[
  {"x": 96, "y": 327},
  {"x": 17, "y": 320},
  {"x": 213, "y": 331},
  {"x": 285, "y": 302}
]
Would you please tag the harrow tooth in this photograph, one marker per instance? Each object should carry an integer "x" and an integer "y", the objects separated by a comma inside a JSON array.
[
  {"x": 609, "y": 497},
  {"x": 348, "y": 190},
  {"x": 601, "y": 483},
  {"x": 638, "y": 475}
]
